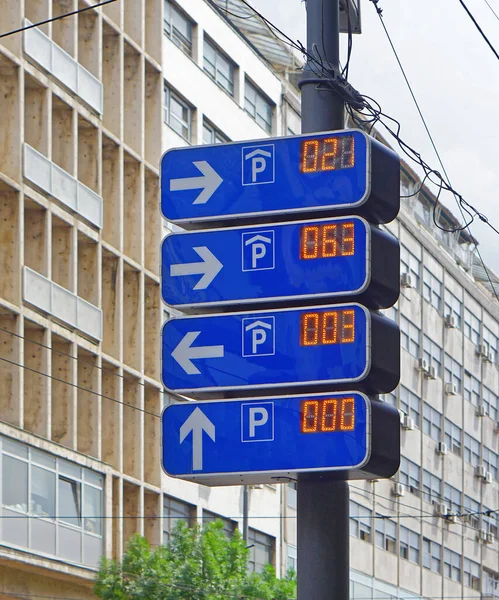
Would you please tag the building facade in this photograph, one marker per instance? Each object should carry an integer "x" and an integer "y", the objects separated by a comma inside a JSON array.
[{"x": 90, "y": 103}]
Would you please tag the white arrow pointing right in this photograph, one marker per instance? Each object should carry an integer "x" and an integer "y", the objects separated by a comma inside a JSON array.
[
  {"x": 184, "y": 352},
  {"x": 209, "y": 268},
  {"x": 208, "y": 183},
  {"x": 197, "y": 422}
]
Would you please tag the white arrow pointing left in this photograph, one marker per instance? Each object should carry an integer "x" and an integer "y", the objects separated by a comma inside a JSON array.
[
  {"x": 209, "y": 182},
  {"x": 184, "y": 352},
  {"x": 197, "y": 422},
  {"x": 209, "y": 268}
]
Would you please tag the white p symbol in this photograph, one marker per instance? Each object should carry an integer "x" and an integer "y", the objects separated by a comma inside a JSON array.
[
  {"x": 258, "y": 250},
  {"x": 258, "y": 165},
  {"x": 257, "y": 418},
  {"x": 258, "y": 337}
]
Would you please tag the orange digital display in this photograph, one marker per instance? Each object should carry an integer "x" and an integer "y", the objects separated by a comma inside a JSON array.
[
  {"x": 330, "y": 240},
  {"x": 321, "y": 328},
  {"x": 327, "y": 154},
  {"x": 331, "y": 414}
]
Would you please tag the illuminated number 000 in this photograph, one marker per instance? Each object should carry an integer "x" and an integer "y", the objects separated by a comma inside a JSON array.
[{"x": 322, "y": 416}]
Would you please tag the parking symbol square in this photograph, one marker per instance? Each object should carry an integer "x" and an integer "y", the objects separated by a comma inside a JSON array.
[
  {"x": 258, "y": 164},
  {"x": 257, "y": 422},
  {"x": 258, "y": 250},
  {"x": 259, "y": 336}
]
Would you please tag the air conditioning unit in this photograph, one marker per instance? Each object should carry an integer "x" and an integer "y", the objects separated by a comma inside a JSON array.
[
  {"x": 451, "y": 389},
  {"x": 488, "y": 477},
  {"x": 408, "y": 423},
  {"x": 480, "y": 471},
  {"x": 480, "y": 410},
  {"x": 497, "y": 427},
  {"x": 482, "y": 536},
  {"x": 490, "y": 538},
  {"x": 406, "y": 280},
  {"x": 489, "y": 357},
  {"x": 431, "y": 373},
  {"x": 442, "y": 448},
  {"x": 441, "y": 509},
  {"x": 398, "y": 489},
  {"x": 481, "y": 350},
  {"x": 450, "y": 321},
  {"x": 423, "y": 365},
  {"x": 452, "y": 518}
]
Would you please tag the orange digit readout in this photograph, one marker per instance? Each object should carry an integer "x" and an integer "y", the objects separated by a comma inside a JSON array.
[
  {"x": 328, "y": 327},
  {"x": 330, "y": 240},
  {"x": 324, "y": 416},
  {"x": 327, "y": 154}
]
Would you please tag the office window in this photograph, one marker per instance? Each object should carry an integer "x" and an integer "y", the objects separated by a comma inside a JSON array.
[
  {"x": 410, "y": 336},
  {"x": 452, "y": 565},
  {"x": 291, "y": 492},
  {"x": 178, "y": 28},
  {"x": 471, "y": 450},
  {"x": 177, "y": 114},
  {"x": 432, "y": 422},
  {"x": 471, "y": 388},
  {"x": 386, "y": 534},
  {"x": 218, "y": 67},
  {"x": 174, "y": 511},
  {"x": 432, "y": 555},
  {"x": 261, "y": 550},
  {"x": 68, "y": 501},
  {"x": 410, "y": 404},
  {"x": 453, "y": 437},
  {"x": 490, "y": 402},
  {"x": 432, "y": 289},
  {"x": 391, "y": 313},
  {"x": 453, "y": 372},
  {"x": 454, "y": 307},
  {"x": 471, "y": 570},
  {"x": 432, "y": 487},
  {"x": 228, "y": 526},
  {"x": 291, "y": 558},
  {"x": 409, "y": 544},
  {"x": 471, "y": 326},
  {"x": 472, "y": 508},
  {"x": 453, "y": 498},
  {"x": 410, "y": 263},
  {"x": 390, "y": 398},
  {"x": 491, "y": 342},
  {"x": 490, "y": 587},
  {"x": 258, "y": 107},
  {"x": 211, "y": 135},
  {"x": 433, "y": 354},
  {"x": 360, "y": 521},
  {"x": 490, "y": 521},
  {"x": 409, "y": 475},
  {"x": 489, "y": 459}
]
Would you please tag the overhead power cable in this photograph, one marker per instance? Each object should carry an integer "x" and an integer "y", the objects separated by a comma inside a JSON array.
[
  {"x": 475, "y": 22},
  {"x": 63, "y": 16},
  {"x": 491, "y": 9}
]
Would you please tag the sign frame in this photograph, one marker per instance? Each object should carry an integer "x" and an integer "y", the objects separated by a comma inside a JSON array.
[
  {"x": 380, "y": 202},
  {"x": 380, "y": 288},
  {"x": 380, "y": 374},
  {"x": 380, "y": 459}
]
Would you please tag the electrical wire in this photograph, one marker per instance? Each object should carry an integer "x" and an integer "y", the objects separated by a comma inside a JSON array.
[
  {"x": 492, "y": 10},
  {"x": 475, "y": 22},
  {"x": 69, "y": 14}
]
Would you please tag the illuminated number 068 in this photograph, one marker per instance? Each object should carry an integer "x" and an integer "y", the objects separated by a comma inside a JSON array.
[{"x": 322, "y": 416}]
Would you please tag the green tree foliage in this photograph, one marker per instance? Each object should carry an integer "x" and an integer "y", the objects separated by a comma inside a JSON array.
[{"x": 197, "y": 564}]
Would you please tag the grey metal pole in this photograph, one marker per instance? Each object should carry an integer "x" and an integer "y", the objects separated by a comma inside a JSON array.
[
  {"x": 323, "y": 506},
  {"x": 245, "y": 513}
]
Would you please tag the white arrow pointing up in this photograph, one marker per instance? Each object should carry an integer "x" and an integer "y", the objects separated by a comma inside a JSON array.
[
  {"x": 197, "y": 422},
  {"x": 208, "y": 183},
  {"x": 209, "y": 268},
  {"x": 184, "y": 353}
]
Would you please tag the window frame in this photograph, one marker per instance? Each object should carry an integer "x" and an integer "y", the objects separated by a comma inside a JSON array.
[
  {"x": 176, "y": 37},
  {"x": 170, "y": 95},
  {"x": 259, "y": 95},
  {"x": 219, "y": 55}
]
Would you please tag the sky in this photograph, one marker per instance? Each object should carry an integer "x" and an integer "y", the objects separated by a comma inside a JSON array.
[{"x": 455, "y": 78}]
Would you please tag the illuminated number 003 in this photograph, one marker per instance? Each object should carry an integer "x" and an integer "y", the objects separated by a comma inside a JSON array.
[{"x": 322, "y": 416}]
